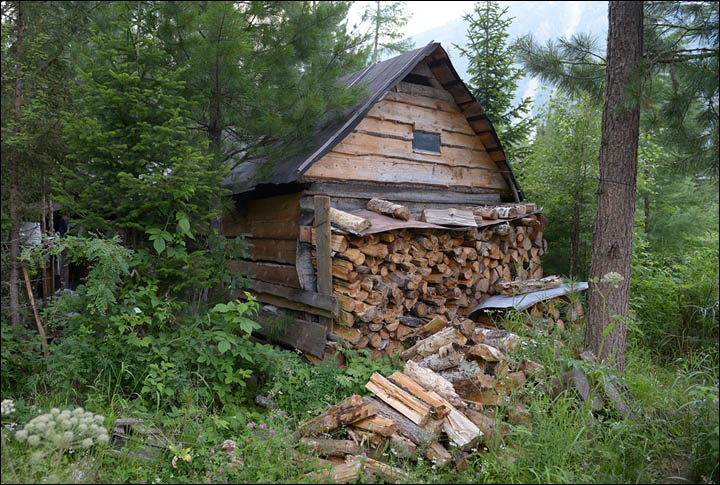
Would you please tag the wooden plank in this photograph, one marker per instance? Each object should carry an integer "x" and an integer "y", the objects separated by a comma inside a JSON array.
[
  {"x": 449, "y": 217},
  {"x": 281, "y": 302},
  {"x": 336, "y": 166},
  {"x": 270, "y": 217},
  {"x": 406, "y": 428},
  {"x": 275, "y": 250},
  {"x": 425, "y": 91},
  {"x": 396, "y": 193},
  {"x": 324, "y": 302},
  {"x": 422, "y": 101},
  {"x": 299, "y": 334},
  {"x": 323, "y": 249},
  {"x": 413, "y": 387},
  {"x": 400, "y": 400},
  {"x": 328, "y": 447},
  {"x": 404, "y": 131},
  {"x": 373, "y": 143},
  {"x": 407, "y": 113},
  {"x": 275, "y": 229},
  {"x": 348, "y": 411},
  {"x": 281, "y": 274},
  {"x": 461, "y": 431}
]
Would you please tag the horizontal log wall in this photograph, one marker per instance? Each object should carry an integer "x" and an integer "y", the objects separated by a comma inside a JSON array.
[
  {"x": 272, "y": 226},
  {"x": 380, "y": 148}
]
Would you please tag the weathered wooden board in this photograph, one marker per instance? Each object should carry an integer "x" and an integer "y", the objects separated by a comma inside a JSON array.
[
  {"x": 408, "y": 113},
  {"x": 300, "y": 334},
  {"x": 374, "y": 143},
  {"x": 426, "y": 91},
  {"x": 404, "y": 194},
  {"x": 275, "y": 250},
  {"x": 271, "y": 217},
  {"x": 281, "y": 274},
  {"x": 335, "y": 166},
  {"x": 324, "y": 302}
]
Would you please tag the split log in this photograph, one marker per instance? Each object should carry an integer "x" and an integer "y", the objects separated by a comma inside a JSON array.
[
  {"x": 406, "y": 428},
  {"x": 377, "y": 424},
  {"x": 527, "y": 286},
  {"x": 442, "y": 360},
  {"x": 433, "y": 343},
  {"x": 430, "y": 380},
  {"x": 449, "y": 217},
  {"x": 404, "y": 402},
  {"x": 436, "y": 453},
  {"x": 350, "y": 410},
  {"x": 486, "y": 352},
  {"x": 327, "y": 447},
  {"x": 460, "y": 430},
  {"x": 389, "y": 208},
  {"x": 345, "y": 220},
  {"x": 402, "y": 380}
]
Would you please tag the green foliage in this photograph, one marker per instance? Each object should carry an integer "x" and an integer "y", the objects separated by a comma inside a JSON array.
[
  {"x": 305, "y": 390},
  {"x": 493, "y": 77},
  {"x": 134, "y": 168},
  {"x": 290, "y": 55},
  {"x": 385, "y": 34},
  {"x": 675, "y": 299},
  {"x": 560, "y": 175}
]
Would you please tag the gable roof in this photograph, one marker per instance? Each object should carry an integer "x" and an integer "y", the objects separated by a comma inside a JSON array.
[{"x": 378, "y": 79}]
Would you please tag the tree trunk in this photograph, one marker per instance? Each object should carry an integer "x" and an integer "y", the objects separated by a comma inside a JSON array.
[
  {"x": 14, "y": 182},
  {"x": 614, "y": 219},
  {"x": 377, "y": 33}
]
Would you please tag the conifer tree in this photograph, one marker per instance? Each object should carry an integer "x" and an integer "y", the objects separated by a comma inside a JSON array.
[
  {"x": 259, "y": 70},
  {"x": 493, "y": 77},
  {"x": 387, "y": 20},
  {"x": 133, "y": 167}
]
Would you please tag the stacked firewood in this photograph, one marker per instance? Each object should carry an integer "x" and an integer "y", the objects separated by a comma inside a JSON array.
[
  {"x": 443, "y": 405},
  {"x": 389, "y": 284}
]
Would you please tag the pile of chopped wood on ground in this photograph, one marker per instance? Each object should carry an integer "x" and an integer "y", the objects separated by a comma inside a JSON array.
[
  {"x": 390, "y": 283},
  {"x": 441, "y": 406}
]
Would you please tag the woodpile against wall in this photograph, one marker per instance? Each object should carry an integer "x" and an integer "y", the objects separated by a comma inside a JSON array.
[{"x": 394, "y": 285}]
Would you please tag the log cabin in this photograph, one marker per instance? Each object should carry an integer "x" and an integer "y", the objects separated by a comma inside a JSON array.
[{"x": 418, "y": 139}]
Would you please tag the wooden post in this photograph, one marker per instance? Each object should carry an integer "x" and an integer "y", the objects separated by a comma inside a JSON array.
[
  {"x": 41, "y": 330},
  {"x": 323, "y": 248}
]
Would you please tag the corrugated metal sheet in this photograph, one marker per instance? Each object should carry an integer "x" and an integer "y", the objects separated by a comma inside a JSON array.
[{"x": 521, "y": 302}]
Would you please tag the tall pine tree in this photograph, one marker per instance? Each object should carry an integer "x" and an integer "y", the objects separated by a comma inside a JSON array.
[{"x": 493, "y": 77}]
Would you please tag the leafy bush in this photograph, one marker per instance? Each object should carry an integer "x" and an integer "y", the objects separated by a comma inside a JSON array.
[
  {"x": 307, "y": 389},
  {"x": 675, "y": 299}
]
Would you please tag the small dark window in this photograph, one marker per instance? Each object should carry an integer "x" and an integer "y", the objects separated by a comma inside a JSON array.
[{"x": 426, "y": 141}]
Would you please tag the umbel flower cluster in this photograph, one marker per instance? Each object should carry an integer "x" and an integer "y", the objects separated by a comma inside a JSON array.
[
  {"x": 65, "y": 429},
  {"x": 7, "y": 407}
]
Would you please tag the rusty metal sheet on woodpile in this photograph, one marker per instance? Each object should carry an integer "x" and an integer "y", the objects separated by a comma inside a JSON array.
[{"x": 521, "y": 302}]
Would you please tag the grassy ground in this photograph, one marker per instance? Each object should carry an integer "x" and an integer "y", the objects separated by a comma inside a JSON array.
[{"x": 672, "y": 436}]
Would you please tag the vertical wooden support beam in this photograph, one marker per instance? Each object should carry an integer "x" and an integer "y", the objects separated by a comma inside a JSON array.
[{"x": 324, "y": 261}]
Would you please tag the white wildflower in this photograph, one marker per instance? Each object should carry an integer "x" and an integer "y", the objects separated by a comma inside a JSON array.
[
  {"x": 613, "y": 278},
  {"x": 86, "y": 443},
  {"x": 7, "y": 407},
  {"x": 21, "y": 435},
  {"x": 33, "y": 440}
]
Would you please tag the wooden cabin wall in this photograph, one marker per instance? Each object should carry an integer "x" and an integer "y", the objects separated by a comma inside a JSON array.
[
  {"x": 380, "y": 148},
  {"x": 272, "y": 223}
]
